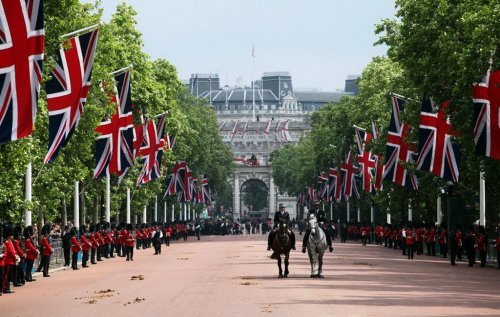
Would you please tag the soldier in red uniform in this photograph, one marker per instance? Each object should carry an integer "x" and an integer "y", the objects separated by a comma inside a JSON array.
[
  {"x": 432, "y": 240},
  {"x": 2, "y": 264},
  {"x": 138, "y": 237},
  {"x": 365, "y": 231},
  {"x": 11, "y": 258},
  {"x": 100, "y": 240},
  {"x": 31, "y": 253},
  {"x": 95, "y": 245},
  {"x": 410, "y": 241},
  {"x": 168, "y": 235},
  {"x": 107, "y": 240},
  {"x": 46, "y": 250},
  {"x": 129, "y": 242},
  {"x": 470, "y": 246},
  {"x": 84, "y": 242},
  {"x": 19, "y": 278},
  {"x": 75, "y": 249}
]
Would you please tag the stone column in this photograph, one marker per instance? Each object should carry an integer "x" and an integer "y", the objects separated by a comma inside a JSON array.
[
  {"x": 173, "y": 211},
  {"x": 165, "y": 211},
  {"x": 236, "y": 197}
]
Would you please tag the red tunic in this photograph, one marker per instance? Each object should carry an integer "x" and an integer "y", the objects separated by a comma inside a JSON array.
[
  {"x": 481, "y": 244},
  {"x": 31, "y": 251},
  {"x": 498, "y": 244},
  {"x": 19, "y": 250},
  {"x": 442, "y": 237},
  {"x": 99, "y": 238},
  {"x": 95, "y": 244},
  {"x": 75, "y": 245},
  {"x": 129, "y": 241},
  {"x": 47, "y": 249},
  {"x": 409, "y": 237},
  {"x": 107, "y": 237},
  {"x": 85, "y": 243},
  {"x": 458, "y": 239},
  {"x": 10, "y": 253}
]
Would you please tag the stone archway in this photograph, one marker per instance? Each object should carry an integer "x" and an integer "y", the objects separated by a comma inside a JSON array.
[
  {"x": 245, "y": 173},
  {"x": 254, "y": 196}
]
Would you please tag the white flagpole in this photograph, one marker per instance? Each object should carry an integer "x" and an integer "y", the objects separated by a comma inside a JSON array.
[
  {"x": 92, "y": 27},
  {"x": 124, "y": 69},
  {"x": 165, "y": 211},
  {"x": 28, "y": 194},
  {"x": 482, "y": 200},
  {"x": 359, "y": 214},
  {"x": 253, "y": 84},
  {"x": 76, "y": 206},
  {"x": 410, "y": 211},
  {"x": 372, "y": 213},
  {"x": 173, "y": 210},
  {"x": 156, "y": 209},
  {"x": 348, "y": 212},
  {"x": 128, "y": 205},
  {"x": 439, "y": 210},
  {"x": 108, "y": 197},
  {"x": 144, "y": 214}
]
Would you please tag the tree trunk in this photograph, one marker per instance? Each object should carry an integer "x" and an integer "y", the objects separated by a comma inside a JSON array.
[{"x": 64, "y": 212}]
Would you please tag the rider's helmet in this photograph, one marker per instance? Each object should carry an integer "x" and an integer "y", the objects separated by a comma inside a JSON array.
[
  {"x": 317, "y": 203},
  {"x": 282, "y": 206}
]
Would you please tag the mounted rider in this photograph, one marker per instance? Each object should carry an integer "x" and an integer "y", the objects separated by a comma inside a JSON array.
[
  {"x": 320, "y": 215},
  {"x": 280, "y": 216}
]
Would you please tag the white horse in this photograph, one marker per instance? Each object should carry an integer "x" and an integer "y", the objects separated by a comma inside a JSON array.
[{"x": 316, "y": 246}]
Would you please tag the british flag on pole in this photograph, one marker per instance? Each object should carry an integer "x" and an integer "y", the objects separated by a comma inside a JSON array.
[
  {"x": 350, "y": 171},
  {"x": 366, "y": 160},
  {"x": 22, "y": 45},
  {"x": 152, "y": 150},
  {"x": 398, "y": 151},
  {"x": 379, "y": 160},
  {"x": 68, "y": 89},
  {"x": 114, "y": 145},
  {"x": 335, "y": 184},
  {"x": 437, "y": 151},
  {"x": 486, "y": 99}
]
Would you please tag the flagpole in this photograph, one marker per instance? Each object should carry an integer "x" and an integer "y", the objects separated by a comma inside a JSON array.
[
  {"x": 173, "y": 212},
  {"x": 156, "y": 209},
  {"x": 144, "y": 214},
  {"x": 108, "y": 197},
  {"x": 122, "y": 70},
  {"x": 92, "y": 27},
  {"x": 76, "y": 206},
  {"x": 348, "y": 212},
  {"x": 28, "y": 194},
  {"x": 482, "y": 200},
  {"x": 253, "y": 84},
  {"x": 165, "y": 211},
  {"x": 128, "y": 205}
]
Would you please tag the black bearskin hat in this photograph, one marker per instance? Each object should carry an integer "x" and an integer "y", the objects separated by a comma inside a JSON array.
[
  {"x": 46, "y": 229},
  {"x": 92, "y": 228},
  {"x": 129, "y": 226},
  {"x": 28, "y": 232},
  {"x": 83, "y": 229},
  {"x": 17, "y": 231},
  {"x": 7, "y": 231},
  {"x": 113, "y": 226},
  {"x": 97, "y": 227},
  {"x": 73, "y": 231}
]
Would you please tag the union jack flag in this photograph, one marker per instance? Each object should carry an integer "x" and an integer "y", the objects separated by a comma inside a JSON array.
[
  {"x": 378, "y": 159},
  {"x": 206, "y": 195},
  {"x": 152, "y": 150},
  {"x": 68, "y": 89},
  {"x": 366, "y": 160},
  {"x": 323, "y": 186},
  {"x": 233, "y": 132},
  {"x": 268, "y": 127},
  {"x": 22, "y": 44},
  {"x": 335, "y": 184},
  {"x": 175, "y": 182},
  {"x": 486, "y": 99},
  {"x": 398, "y": 151},
  {"x": 285, "y": 134},
  {"x": 114, "y": 145},
  {"x": 350, "y": 172},
  {"x": 437, "y": 152}
]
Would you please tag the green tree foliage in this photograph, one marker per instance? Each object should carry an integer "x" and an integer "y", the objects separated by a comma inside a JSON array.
[{"x": 155, "y": 89}]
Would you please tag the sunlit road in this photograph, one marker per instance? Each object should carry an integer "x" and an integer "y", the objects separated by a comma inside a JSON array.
[{"x": 233, "y": 276}]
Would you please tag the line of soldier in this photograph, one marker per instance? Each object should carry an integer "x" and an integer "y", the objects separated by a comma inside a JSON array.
[
  {"x": 411, "y": 239},
  {"x": 96, "y": 242}
]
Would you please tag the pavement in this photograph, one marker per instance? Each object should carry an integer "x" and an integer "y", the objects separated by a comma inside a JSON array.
[{"x": 233, "y": 276}]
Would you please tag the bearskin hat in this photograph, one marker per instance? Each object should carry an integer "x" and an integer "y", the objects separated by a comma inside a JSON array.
[
  {"x": 73, "y": 231},
  {"x": 92, "y": 228},
  {"x": 129, "y": 226},
  {"x": 28, "y": 232},
  {"x": 83, "y": 229},
  {"x": 18, "y": 230},
  {"x": 7, "y": 231},
  {"x": 113, "y": 226},
  {"x": 97, "y": 227},
  {"x": 46, "y": 229}
]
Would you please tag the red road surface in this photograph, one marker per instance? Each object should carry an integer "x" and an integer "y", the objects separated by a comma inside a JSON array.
[{"x": 233, "y": 276}]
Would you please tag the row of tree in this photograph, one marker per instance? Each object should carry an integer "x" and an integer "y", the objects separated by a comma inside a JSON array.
[
  {"x": 155, "y": 88},
  {"x": 436, "y": 48}
]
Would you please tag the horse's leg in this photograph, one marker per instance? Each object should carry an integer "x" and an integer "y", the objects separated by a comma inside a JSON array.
[
  {"x": 286, "y": 265},
  {"x": 279, "y": 266},
  {"x": 320, "y": 264}
]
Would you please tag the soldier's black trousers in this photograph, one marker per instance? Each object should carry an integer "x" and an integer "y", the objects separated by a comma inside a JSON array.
[
  {"x": 74, "y": 258},
  {"x": 93, "y": 255},
  {"x": 85, "y": 258},
  {"x": 130, "y": 253},
  {"x": 29, "y": 269},
  {"x": 45, "y": 264},
  {"x": 67, "y": 255}
]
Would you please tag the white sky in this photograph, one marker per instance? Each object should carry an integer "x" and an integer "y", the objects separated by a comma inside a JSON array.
[{"x": 319, "y": 41}]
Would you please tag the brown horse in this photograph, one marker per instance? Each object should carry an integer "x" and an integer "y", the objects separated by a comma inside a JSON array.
[{"x": 281, "y": 247}]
